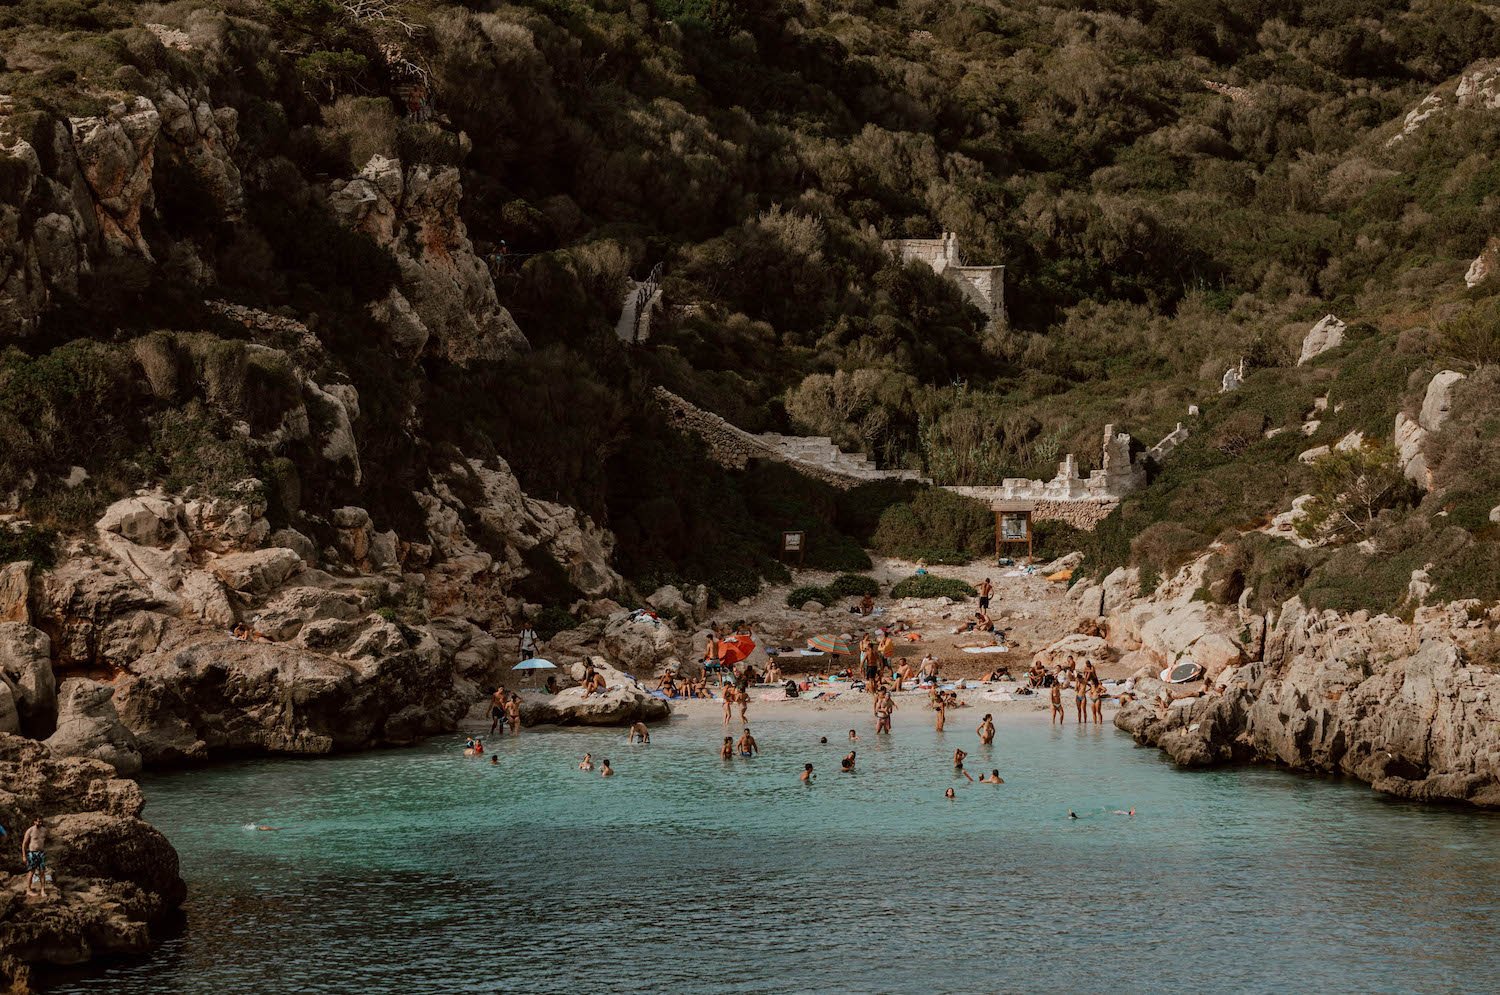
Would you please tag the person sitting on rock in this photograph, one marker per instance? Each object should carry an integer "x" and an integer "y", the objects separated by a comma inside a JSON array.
[
  {"x": 241, "y": 631},
  {"x": 866, "y": 605}
]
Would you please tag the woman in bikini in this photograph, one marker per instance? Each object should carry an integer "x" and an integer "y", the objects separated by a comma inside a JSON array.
[
  {"x": 1081, "y": 699},
  {"x": 1096, "y": 700}
]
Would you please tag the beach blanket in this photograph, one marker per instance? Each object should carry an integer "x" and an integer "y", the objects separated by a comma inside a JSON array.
[
  {"x": 998, "y": 696},
  {"x": 810, "y": 653},
  {"x": 773, "y": 696},
  {"x": 1061, "y": 575},
  {"x": 986, "y": 649}
]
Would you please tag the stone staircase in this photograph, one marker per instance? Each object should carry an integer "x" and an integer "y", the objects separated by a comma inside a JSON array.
[
  {"x": 815, "y": 456},
  {"x": 819, "y": 451},
  {"x": 634, "y": 326}
]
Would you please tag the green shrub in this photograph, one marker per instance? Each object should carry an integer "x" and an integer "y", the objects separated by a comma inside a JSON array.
[
  {"x": 936, "y": 519},
  {"x": 929, "y": 586},
  {"x": 551, "y": 620},
  {"x": 28, "y": 542},
  {"x": 799, "y": 596},
  {"x": 853, "y": 586}
]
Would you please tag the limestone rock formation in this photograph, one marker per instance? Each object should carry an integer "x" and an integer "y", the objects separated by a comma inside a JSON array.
[
  {"x": 413, "y": 213},
  {"x": 624, "y": 700},
  {"x": 116, "y": 878},
  {"x": 1411, "y": 435},
  {"x": 1395, "y": 704},
  {"x": 26, "y": 673},
  {"x": 1484, "y": 265},
  {"x": 89, "y": 726},
  {"x": 639, "y": 643},
  {"x": 1327, "y": 334},
  {"x": 1077, "y": 646}
]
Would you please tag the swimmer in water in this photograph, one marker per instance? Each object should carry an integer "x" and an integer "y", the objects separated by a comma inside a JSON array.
[
  {"x": 639, "y": 732},
  {"x": 605, "y": 770},
  {"x": 494, "y": 761},
  {"x": 268, "y": 829},
  {"x": 1072, "y": 814},
  {"x": 588, "y": 762},
  {"x": 950, "y": 795},
  {"x": 727, "y": 750},
  {"x": 1123, "y": 812},
  {"x": 958, "y": 765},
  {"x": 992, "y": 778},
  {"x": 806, "y": 776},
  {"x": 853, "y": 736},
  {"x": 823, "y": 739}
]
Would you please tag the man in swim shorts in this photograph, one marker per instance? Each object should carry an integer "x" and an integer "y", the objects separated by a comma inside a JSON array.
[
  {"x": 497, "y": 710},
  {"x": 34, "y": 852},
  {"x": 747, "y": 745},
  {"x": 639, "y": 732},
  {"x": 985, "y": 590},
  {"x": 1058, "y": 715}
]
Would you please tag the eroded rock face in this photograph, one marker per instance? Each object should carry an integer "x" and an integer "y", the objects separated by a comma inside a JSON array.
[
  {"x": 1396, "y": 705},
  {"x": 1484, "y": 265},
  {"x": 203, "y": 695},
  {"x": 116, "y": 152},
  {"x": 447, "y": 289},
  {"x": 88, "y": 726},
  {"x": 1411, "y": 434},
  {"x": 26, "y": 669},
  {"x": 116, "y": 877}
]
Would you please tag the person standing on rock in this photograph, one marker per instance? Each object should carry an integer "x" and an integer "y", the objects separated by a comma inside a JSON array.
[
  {"x": 711, "y": 654},
  {"x": 34, "y": 852},
  {"x": 985, "y": 590},
  {"x": 527, "y": 642}
]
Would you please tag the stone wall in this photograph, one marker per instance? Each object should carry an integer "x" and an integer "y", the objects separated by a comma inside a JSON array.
[
  {"x": 983, "y": 285},
  {"x": 733, "y": 447}
]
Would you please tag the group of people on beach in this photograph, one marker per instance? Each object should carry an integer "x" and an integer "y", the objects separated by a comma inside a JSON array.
[{"x": 1088, "y": 691}]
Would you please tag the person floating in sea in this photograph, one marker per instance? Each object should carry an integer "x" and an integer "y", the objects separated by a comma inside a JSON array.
[
  {"x": 726, "y": 751},
  {"x": 806, "y": 777},
  {"x": 958, "y": 765},
  {"x": 588, "y": 762},
  {"x": 1072, "y": 814},
  {"x": 992, "y": 778},
  {"x": 853, "y": 736},
  {"x": 951, "y": 795},
  {"x": 1058, "y": 715},
  {"x": 1120, "y": 811},
  {"x": 846, "y": 765},
  {"x": 987, "y": 730},
  {"x": 639, "y": 732},
  {"x": 494, "y": 761},
  {"x": 34, "y": 852},
  {"x": 747, "y": 745}
]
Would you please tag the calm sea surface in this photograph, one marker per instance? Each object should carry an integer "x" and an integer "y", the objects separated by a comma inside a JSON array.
[{"x": 423, "y": 871}]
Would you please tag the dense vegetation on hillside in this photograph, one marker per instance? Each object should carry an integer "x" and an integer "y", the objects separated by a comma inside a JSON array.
[{"x": 1156, "y": 229}]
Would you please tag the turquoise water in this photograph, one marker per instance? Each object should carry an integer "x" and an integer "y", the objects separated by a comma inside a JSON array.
[{"x": 422, "y": 871}]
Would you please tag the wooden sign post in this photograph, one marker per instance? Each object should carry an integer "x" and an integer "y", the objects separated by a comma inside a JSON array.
[
  {"x": 1013, "y": 526},
  {"x": 794, "y": 544}
]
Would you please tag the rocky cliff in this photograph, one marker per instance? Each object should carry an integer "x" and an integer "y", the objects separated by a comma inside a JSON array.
[
  {"x": 115, "y": 878},
  {"x": 1408, "y": 707}
]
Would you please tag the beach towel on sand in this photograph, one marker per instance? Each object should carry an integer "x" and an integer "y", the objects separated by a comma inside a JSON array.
[{"x": 986, "y": 649}]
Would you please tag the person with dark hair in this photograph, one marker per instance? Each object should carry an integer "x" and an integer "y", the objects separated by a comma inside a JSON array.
[
  {"x": 806, "y": 776},
  {"x": 605, "y": 770}
]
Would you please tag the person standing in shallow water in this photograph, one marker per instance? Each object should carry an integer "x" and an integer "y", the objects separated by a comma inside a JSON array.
[
  {"x": 806, "y": 776},
  {"x": 1080, "y": 699},
  {"x": 747, "y": 745},
  {"x": 987, "y": 730},
  {"x": 1057, "y": 706},
  {"x": 1096, "y": 701},
  {"x": 726, "y": 752},
  {"x": 942, "y": 712}
]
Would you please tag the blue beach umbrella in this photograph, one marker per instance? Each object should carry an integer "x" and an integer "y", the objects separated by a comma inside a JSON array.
[{"x": 535, "y": 663}]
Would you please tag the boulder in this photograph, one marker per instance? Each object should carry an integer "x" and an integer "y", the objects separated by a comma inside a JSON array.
[
  {"x": 26, "y": 662},
  {"x": 145, "y": 519},
  {"x": 624, "y": 701},
  {"x": 669, "y": 600},
  {"x": 1438, "y": 401},
  {"x": 257, "y": 572},
  {"x": 1484, "y": 265},
  {"x": 10, "y": 719},
  {"x": 1327, "y": 334},
  {"x": 1410, "y": 436},
  {"x": 1313, "y": 454},
  {"x": 1078, "y": 646},
  {"x": 89, "y": 726},
  {"x": 639, "y": 644}
]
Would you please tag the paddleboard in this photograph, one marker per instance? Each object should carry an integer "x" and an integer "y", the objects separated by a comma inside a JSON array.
[{"x": 1181, "y": 672}]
